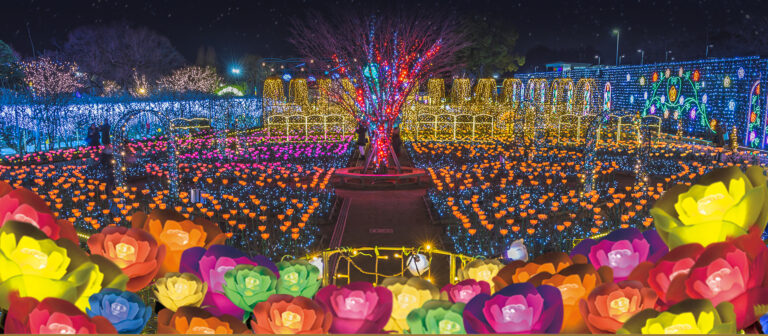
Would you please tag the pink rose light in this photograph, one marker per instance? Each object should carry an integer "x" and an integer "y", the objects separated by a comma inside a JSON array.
[
  {"x": 622, "y": 250},
  {"x": 466, "y": 290},
  {"x": 357, "y": 308}
]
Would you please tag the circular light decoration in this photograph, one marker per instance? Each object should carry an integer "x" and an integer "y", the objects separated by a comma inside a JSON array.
[
  {"x": 704, "y": 98},
  {"x": 740, "y": 72},
  {"x": 516, "y": 251},
  {"x": 417, "y": 264},
  {"x": 696, "y": 75},
  {"x": 732, "y": 105},
  {"x": 655, "y": 77},
  {"x": 667, "y": 73},
  {"x": 672, "y": 93},
  {"x": 727, "y": 81},
  {"x": 642, "y": 80},
  {"x": 318, "y": 262},
  {"x": 629, "y": 78},
  {"x": 231, "y": 90},
  {"x": 653, "y": 109},
  {"x": 680, "y": 72},
  {"x": 287, "y": 77}
]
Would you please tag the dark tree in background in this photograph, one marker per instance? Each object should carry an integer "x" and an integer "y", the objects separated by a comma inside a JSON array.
[
  {"x": 114, "y": 51},
  {"x": 253, "y": 71},
  {"x": 492, "y": 49},
  {"x": 11, "y": 74},
  {"x": 382, "y": 56}
]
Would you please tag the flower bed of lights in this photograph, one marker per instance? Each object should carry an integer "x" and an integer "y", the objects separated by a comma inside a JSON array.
[
  {"x": 489, "y": 195},
  {"x": 169, "y": 274}
]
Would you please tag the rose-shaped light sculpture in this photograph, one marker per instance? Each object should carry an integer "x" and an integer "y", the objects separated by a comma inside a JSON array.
[
  {"x": 664, "y": 276},
  {"x": 176, "y": 290},
  {"x": 135, "y": 251},
  {"x": 622, "y": 250},
  {"x": 125, "y": 310},
  {"x": 36, "y": 266},
  {"x": 481, "y": 270},
  {"x": 724, "y": 203},
  {"x": 516, "y": 309},
  {"x": 286, "y": 314},
  {"x": 193, "y": 320},
  {"x": 611, "y": 304},
  {"x": 575, "y": 282},
  {"x": 357, "y": 308},
  {"x": 466, "y": 290},
  {"x": 247, "y": 285},
  {"x": 516, "y": 251},
  {"x": 51, "y": 316},
  {"x": 521, "y": 271},
  {"x": 177, "y": 234},
  {"x": 407, "y": 295},
  {"x": 211, "y": 266},
  {"x": 23, "y": 205},
  {"x": 298, "y": 278},
  {"x": 687, "y": 317},
  {"x": 437, "y": 317}
]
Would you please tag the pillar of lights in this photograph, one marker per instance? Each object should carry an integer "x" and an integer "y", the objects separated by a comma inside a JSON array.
[{"x": 698, "y": 91}]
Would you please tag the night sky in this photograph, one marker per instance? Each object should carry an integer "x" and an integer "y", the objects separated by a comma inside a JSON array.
[{"x": 573, "y": 30}]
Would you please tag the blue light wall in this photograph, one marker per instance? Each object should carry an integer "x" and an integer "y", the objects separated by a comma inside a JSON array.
[{"x": 728, "y": 90}]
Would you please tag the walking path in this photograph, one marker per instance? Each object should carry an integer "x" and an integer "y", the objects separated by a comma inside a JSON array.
[{"x": 385, "y": 218}]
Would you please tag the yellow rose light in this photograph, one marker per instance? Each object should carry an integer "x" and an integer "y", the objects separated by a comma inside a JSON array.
[
  {"x": 407, "y": 295},
  {"x": 176, "y": 290},
  {"x": 724, "y": 203}
]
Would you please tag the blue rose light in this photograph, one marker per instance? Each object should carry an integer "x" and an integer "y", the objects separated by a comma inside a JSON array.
[{"x": 125, "y": 310}]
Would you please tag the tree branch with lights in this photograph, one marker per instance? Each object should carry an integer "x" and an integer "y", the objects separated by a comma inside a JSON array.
[{"x": 376, "y": 61}]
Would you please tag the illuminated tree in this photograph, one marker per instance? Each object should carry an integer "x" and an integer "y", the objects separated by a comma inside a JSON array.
[
  {"x": 190, "y": 79},
  {"x": 47, "y": 77},
  {"x": 382, "y": 57}
]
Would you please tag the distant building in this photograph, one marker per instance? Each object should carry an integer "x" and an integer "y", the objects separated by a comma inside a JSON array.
[{"x": 566, "y": 66}]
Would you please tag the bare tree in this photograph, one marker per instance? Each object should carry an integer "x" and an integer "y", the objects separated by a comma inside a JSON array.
[
  {"x": 114, "y": 51},
  {"x": 379, "y": 59}
]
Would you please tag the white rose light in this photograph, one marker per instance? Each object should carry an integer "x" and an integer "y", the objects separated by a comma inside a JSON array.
[{"x": 516, "y": 251}]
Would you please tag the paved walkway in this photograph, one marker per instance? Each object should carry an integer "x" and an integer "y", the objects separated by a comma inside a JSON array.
[{"x": 387, "y": 218}]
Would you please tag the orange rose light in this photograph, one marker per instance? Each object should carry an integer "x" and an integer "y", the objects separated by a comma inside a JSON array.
[
  {"x": 176, "y": 233},
  {"x": 611, "y": 304},
  {"x": 193, "y": 320},
  {"x": 135, "y": 251},
  {"x": 521, "y": 271},
  {"x": 285, "y": 314}
]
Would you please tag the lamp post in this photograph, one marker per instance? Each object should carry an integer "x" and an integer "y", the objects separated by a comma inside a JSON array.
[
  {"x": 666, "y": 56},
  {"x": 621, "y": 58},
  {"x": 597, "y": 57},
  {"x": 618, "y": 34},
  {"x": 642, "y": 55},
  {"x": 706, "y": 53}
]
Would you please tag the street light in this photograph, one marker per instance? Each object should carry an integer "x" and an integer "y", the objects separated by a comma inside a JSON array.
[
  {"x": 666, "y": 55},
  {"x": 706, "y": 54},
  {"x": 235, "y": 70},
  {"x": 621, "y": 58},
  {"x": 642, "y": 55},
  {"x": 597, "y": 57},
  {"x": 618, "y": 34}
]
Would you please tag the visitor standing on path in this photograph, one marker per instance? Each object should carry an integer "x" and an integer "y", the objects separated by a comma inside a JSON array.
[
  {"x": 362, "y": 140},
  {"x": 105, "y": 128},
  {"x": 92, "y": 139}
]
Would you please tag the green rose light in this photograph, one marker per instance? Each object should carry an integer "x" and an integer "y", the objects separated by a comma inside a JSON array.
[
  {"x": 437, "y": 317},
  {"x": 687, "y": 317},
  {"x": 298, "y": 278},
  {"x": 724, "y": 203},
  {"x": 247, "y": 285}
]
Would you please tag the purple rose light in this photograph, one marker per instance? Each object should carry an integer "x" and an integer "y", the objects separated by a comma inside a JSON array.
[
  {"x": 622, "y": 250},
  {"x": 516, "y": 309},
  {"x": 466, "y": 290},
  {"x": 357, "y": 308},
  {"x": 211, "y": 265}
]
